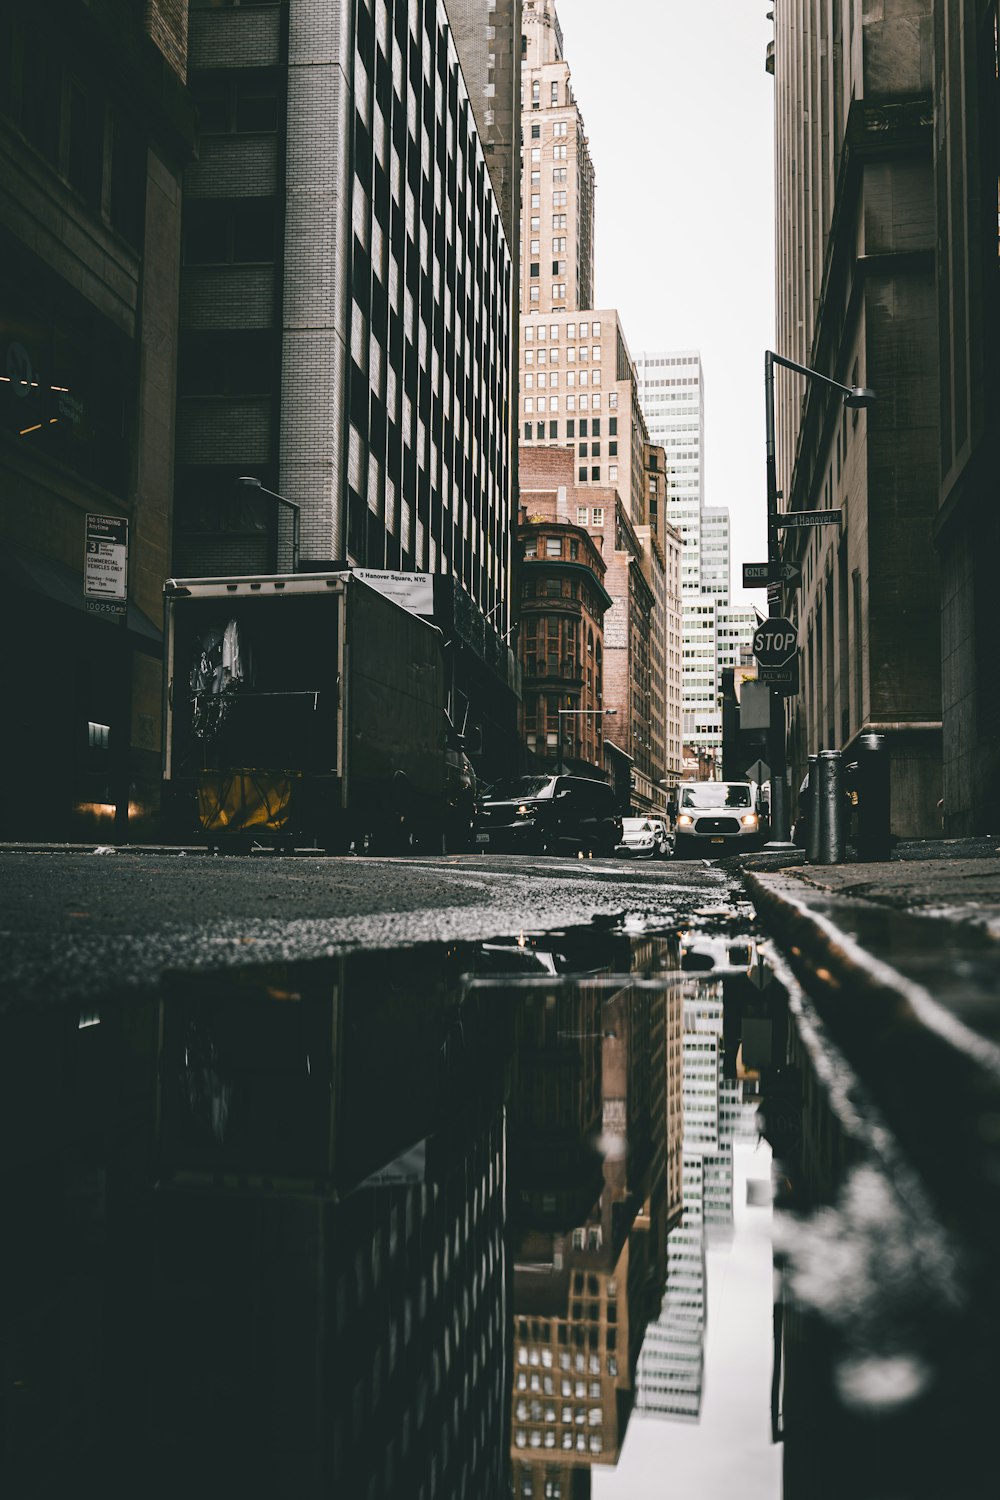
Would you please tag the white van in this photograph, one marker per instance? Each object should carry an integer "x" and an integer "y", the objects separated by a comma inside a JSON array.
[{"x": 719, "y": 816}]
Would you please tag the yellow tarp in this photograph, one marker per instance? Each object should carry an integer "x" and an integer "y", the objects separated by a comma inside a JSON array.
[{"x": 234, "y": 800}]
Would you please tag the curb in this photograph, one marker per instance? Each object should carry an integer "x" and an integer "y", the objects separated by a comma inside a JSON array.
[{"x": 936, "y": 1081}]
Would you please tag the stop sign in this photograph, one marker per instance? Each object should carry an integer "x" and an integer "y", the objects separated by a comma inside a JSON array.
[{"x": 775, "y": 642}]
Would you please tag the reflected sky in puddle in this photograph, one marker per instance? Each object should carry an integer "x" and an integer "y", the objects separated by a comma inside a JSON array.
[{"x": 467, "y": 1220}]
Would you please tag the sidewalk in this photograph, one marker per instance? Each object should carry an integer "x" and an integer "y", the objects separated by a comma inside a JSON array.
[{"x": 902, "y": 962}]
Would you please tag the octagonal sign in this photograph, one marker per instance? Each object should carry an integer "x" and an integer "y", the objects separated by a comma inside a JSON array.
[{"x": 775, "y": 642}]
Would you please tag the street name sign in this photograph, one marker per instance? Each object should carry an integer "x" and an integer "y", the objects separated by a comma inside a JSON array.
[
  {"x": 809, "y": 518},
  {"x": 775, "y": 642},
  {"x": 759, "y": 575}
]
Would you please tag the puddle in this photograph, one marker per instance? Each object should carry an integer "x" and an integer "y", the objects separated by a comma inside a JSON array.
[{"x": 464, "y": 1220}]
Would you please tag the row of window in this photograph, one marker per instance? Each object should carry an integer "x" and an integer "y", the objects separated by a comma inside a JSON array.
[
  {"x": 583, "y": 353},
  {"x": 533, "y": 331},
  {"x": 536, "y": 1439},
  {"x": 535, "y": 223},
  {"x": 573, "y": 402},
  {"x": 560, "y": 128},
  {"x": 551, "y": 378}
]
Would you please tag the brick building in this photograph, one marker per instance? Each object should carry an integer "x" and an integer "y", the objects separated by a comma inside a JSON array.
[
  {"x": 563, "y": 602},
  {"x": 95, "y": 127}
]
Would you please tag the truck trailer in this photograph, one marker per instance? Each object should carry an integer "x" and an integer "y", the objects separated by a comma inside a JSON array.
[{"x": 308, "y": 709}]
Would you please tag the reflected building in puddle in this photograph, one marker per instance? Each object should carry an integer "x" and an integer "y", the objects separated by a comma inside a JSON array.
[
  {"x": 670, "y": 1373},
  {"x": 288, "y": 1274},
  {"x": 591, "y": 1201}
]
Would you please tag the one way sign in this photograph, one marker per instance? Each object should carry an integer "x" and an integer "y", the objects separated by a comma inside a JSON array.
[{"x": 757, "y": 575}]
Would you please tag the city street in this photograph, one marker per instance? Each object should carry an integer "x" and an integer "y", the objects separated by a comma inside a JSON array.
[{"x": 78, "y": 923}]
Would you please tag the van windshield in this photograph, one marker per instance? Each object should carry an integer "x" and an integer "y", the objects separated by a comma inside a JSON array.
[
  {"x": 524, "y": 786},
  {"x": 716, "y": 794}
]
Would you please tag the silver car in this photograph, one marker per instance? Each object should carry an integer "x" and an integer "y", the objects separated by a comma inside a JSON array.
[{"x": 643, "y": 836}]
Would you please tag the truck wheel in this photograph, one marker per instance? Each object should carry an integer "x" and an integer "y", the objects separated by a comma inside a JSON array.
[
  {"x": 334, "y": 839},
  {"x": 682, "y": 846}
]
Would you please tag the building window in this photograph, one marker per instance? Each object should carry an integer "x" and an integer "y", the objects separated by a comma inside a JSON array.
[
  {"x": 581, "y": 474},
  {"x": 595, "y": 472},
  {"x": 230, "y": 233},
  {"x": 598, "y": 515},
  {"x": 553, "y": 546},
  {"x": 246, "y": 104}
]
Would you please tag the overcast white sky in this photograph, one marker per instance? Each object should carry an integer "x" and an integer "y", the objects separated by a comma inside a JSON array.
[{"x": 679, "y": 112}]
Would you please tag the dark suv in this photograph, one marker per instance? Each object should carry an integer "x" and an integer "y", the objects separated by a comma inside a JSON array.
[{"x": 541, "y": 814}]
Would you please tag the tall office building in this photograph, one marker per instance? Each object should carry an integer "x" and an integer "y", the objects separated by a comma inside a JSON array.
[
  {"x": 578, "y": 389},
  {"x": 557, "y": 263},
  {"x": 347, "y": 308},
  {"x": 672, "y": 396}
]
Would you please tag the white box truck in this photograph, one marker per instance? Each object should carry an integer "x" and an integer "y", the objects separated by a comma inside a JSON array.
[{"x": 308, "y": 709}]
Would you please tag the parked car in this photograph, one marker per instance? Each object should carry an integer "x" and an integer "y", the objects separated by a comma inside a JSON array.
[
  {"x": 713, "y": 816},
  {"x": 543, "y": 814},
  {"x": 644, "y": 836}
]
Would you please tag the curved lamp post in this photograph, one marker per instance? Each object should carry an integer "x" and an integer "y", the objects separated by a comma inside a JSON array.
[
  {"x": 855, "y": 396},
  {"x": 251, "y": 481},
  {"x": 570, "y": 713}
]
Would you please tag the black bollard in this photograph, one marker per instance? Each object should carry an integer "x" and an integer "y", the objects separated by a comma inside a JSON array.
[
  {"x": 830, "y": 808},
  {"x": 874, "y": 798},
  {"x": 812, "y": 812}
]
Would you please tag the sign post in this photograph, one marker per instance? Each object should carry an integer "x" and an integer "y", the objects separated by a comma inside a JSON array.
[
  {"x": 762, "y": 575},
  {"x": 105, "y": 565}
]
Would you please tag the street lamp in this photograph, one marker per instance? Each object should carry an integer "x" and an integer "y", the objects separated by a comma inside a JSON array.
[
  {"x": 855, "y": 396},
  {"x": 251, "y": 480},
  {"x": 570, "y": 713}
]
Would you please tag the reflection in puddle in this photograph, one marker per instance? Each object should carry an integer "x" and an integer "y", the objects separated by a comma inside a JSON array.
[{"x": 427, "y": 1223}]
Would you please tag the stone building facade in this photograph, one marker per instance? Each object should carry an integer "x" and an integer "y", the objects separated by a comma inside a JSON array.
[
  {"x": 557, "y": 187},
  {"x": 95, "y": 128},
  {"x": 967, "y": 524},
  {"x": 669, "y": 541},
  {"x": 856, "y": 301}
]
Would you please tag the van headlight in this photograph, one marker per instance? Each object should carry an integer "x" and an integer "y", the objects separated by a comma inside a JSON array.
[
  {"x": 749, "y": 820},
  {"x": 684, "y": 821}
]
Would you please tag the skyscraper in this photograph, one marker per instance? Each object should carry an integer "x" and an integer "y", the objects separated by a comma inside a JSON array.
[
  {"x": 672, "y": 395},
  {"x": 557, "y": 271},
  {"x": 578, "y": 390}
]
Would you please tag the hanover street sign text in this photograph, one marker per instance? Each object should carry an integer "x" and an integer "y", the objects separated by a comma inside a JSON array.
[{"x": 809, "y": 518}]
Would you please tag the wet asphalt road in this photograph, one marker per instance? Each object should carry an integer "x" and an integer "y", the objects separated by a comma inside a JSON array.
[{"x": 74, "y": 924}]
